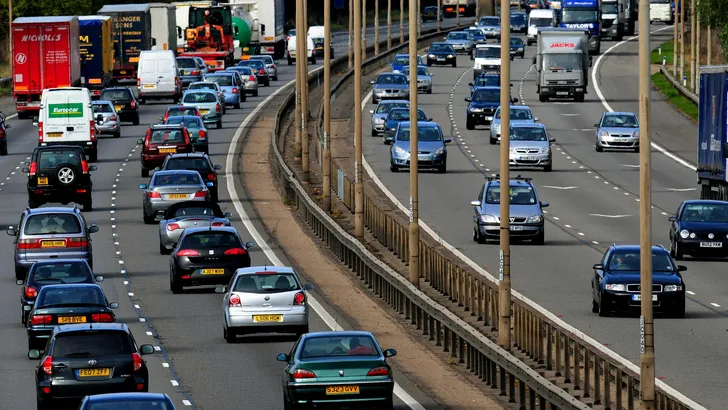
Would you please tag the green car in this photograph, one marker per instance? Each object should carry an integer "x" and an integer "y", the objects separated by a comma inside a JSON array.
[{"x": 344, "y": 368}]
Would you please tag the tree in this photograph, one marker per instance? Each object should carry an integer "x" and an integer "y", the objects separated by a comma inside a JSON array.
[{"x": 712, "y": 14}]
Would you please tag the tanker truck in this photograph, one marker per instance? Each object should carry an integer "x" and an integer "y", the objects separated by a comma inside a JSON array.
[{"x": 259, "y": 26}]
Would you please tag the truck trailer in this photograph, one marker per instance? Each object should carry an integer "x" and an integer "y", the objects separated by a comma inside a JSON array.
[
  {"x": 562, "y": 63},
  {"x": 164, "y": 26},
  {"x": 96, "y": 48},
  {"x": 584, "y": 15},
  {"x": 713, "y": 133},
  {"x": 466, "y": 8},
  {"x": 132, "y": 35},
  {"x": 260, "y": 26},
  {"x": 45, "y": 55}
]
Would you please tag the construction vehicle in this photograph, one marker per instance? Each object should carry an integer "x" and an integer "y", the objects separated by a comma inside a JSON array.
[
  {"x": 182, "y": 11},
  {"x": 209, "y": 35}
]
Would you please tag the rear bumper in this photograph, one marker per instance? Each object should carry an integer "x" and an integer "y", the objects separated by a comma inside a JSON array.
[
  {"x": 315, "y": 393},
  {"x": 562, "y": 91},
  {"x": 88, "y": 146},
  {"x": 74, "y": 390},
  {"x": 293, "y": 318}
]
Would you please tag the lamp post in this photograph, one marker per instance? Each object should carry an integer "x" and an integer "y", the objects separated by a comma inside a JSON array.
[
  {"x": 358, "y": 186},
  {"x": 376, "y": 27},
  {"x": 414, "y": 227},
  {"x": 351, "y": 28},
  {"x": 305, "y": 115},
  {"x": 327, "y": 107},
  {"x": 299, "y": 80}
]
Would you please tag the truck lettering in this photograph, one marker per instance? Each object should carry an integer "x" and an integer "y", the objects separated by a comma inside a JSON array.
[
  {"x": 562, "y": 45},
  {"x": 42, "y": 37},
  {"x": 582, "y": 25},
  {"x": 65, "y": 110},
  {"x": 84, "y": 40}
]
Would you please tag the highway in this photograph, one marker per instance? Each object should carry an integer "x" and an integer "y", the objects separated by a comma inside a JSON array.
[
  {"x": 594, "y": 202},
  {"x": 193, "y": 363}
]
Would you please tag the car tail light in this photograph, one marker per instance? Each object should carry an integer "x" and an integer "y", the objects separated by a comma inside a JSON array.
[
  {"x": 234, "y": 301},
  {"x": 33, "y": 168},
  {"x": 236, "y": 251},
  {"x": 251, "y": 78},
  {"x": 188, "y": 252},
  {"x": 154, "y": 194},
  {"x": 92, "y": 129},
  {"x": 273, "y": 66},
  {"x": 139, "y": 82},
  {"x": 84, "y": 167},
  {"x": 303, "y": 374},
  {"x": 173, "y": 227},
  {"x": 212, "y": 176},
  {"x": 235, "y": 90},
  {"x": 29, "y": 244},
  {"x": 133, "y": 104},
  {"x": 218, "y": 224},
  {"x": 47, "y": 365},
  {"x": 41, "y": 319},
  {"x": 102, "y": 318},
  {"x": 218, "y": 107},
  {"x": 30, "y": 292},
  {"x": 299, "y": 299},
  {"x": 138, "y": 362},
  {"x": 40, "y": 131},
  {"x": 112, "y": 118},
  {"x": 262, "y": 71},
  {"x": 200, "y": 194},
  {"x": 76, "y": 242},
  {"x": 379, "y": 371},
  {"x": 202, "y": 135}
]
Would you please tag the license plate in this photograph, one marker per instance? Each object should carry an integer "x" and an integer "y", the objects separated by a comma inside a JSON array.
[
  {"x": 118, "y": 107},
  {"x": 342, "y": 390},
  {"x": 423, "y": 157},
  {"x": 53, "y": 244},
  {"x": 54, "y": 135},
  {"x": 122, "y": 72},
  {"x": 528, "y": 158},
  {"x": 149, "y": 86},
  {"x": 42, "y": 180},
  {"x": 516, "y": 228},
  {"x": 100, "y": 372},
  {"x": 177, "y": 196},
  {"x": 711, "y": 244},
  {"x": 167, "y": 150},
  {"x": 440, "y": 58},
  {"x": 267, "y": 318},
  {"x": 562, "y": 93},
  {"x": 71, "y": 319},
  {"x": 639, "y": 297},
  {"x": 203, "y": 112},
  {"x": 621, "y": 140},
  {"x": 212, "y": 271}
]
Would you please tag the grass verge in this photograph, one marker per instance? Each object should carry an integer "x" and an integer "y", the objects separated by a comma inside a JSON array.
[
  {"x": 667, "y": 51},
  {"x": 679, "y": 101},
  {"x": 4, "y": 92}
]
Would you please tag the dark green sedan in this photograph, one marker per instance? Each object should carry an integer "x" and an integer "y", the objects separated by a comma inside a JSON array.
[{"x": 338, "y": 368}]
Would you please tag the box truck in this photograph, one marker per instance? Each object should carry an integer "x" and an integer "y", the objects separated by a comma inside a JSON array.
[
  {"x": 132, "y": 35},
  {"x": 96, "y": 48},
  {"x": 562, "y": 63},
  {"x": 713, "y": 133}
]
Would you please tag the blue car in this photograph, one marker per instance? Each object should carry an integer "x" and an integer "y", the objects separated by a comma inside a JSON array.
[
  {"x": 699, "y": 228},
  {"x": 483, "y": 104},
  {"x": 517, "y": 47},
  {"x": 196, "y": 128},
  {"x": 431, "y": 149},
  {"x": 485, "y": 80},
  {"x": 477, "y": 35},
  {"x": 379, "y": 115},
  {"x": 156, "y": 401},
  {"x": 441, "y": 54},
  {"x": 394, "y": 117},
  {"x": 401, "y": 60},
  {"x": 232, "y": 88},
  {"x": 519, "y": 22}
]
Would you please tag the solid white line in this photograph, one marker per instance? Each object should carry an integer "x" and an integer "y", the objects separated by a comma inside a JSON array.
[
  {"x": 610, "y": 216},
  {"x": 690, "y": 292}
]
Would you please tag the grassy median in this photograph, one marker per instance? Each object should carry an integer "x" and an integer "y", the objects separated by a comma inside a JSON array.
[{"x": 679, "y": 101}]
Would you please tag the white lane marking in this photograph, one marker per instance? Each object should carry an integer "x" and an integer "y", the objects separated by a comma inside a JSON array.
[
  {"x": 174, "y": 383},
  {"x": 560, "y": 187},
  {"x": 568, "y": 226},
  {"x": 187, "y": 402},
  {"x": 570, "y": 115},
  {"x": 690, "y": 292},
  {"x": 630, "y": 166},
  {"x": 261, "y": 242},
  {"x": 580, "y": 234},
  {"x": 595, "y": 242},
  {"x": 149, "y": 333},
  {"x": 606, "y": 105},
  {"x": 681, "y": 189},
  {"x": 165, "y": 364},
  {"x": 715, "y": 304},
  {"x": 610, "y": 216}
]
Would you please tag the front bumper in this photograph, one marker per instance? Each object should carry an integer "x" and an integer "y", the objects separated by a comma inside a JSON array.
[
  {"x": 693, "y": 246},
  {"x": 394, "y": 95},
  {"x": 481, "y": 118},
  {"x": 429, "y": 161},
  {"x": 378, "y": 128},
  {"x": 618, "y": 142},
  {"x": 529, "y": 160},
  {"x": 424, "y": 86},
  {"x": 441, "y": 60},
  {"x": 624, "y": 301},
  {"x": 562, "y": 91},
  {"x": 517, "y": 231},
  {"x": 315, "y": 393}
]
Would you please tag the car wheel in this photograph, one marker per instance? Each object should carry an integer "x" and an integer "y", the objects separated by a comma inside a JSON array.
[
  {"x": 163, "y": 250},
  {"x": 678, "y": 252},
  {"x": 230, "y": 335},
  {"x": 543, "y": 98},
  {"x": 679, "y": 312},
  {"x": 237, "y": 106},
  {"x": 548, "y": 168},
  {"x": 598, "y": 148},
  {"x": 603, "y": 311},
  {"x": 429, "y": 63},
  {"x": 482, "y": 240},
  {"x": 4, "y": 150},
  {"x": 41, "y": 404},
  {"x": 429, "y": 91},
  {"x": 175, "y": 287},
  {"x": 469, "y": 124},
  {"x": 493, "y": 141},
  {"x": 145, "y": 173},
  {"x": 267, "y": 82},
  {"x": 374, "y": 133},
  {"x": 275, "y": 78},
  {"x": 290, "y": 61},
  {"x": 388, "y": 404},
  {"x": 136, "y": 120},
  {"x": 117, "y": 134},
  {"x": 88, "y": 205},
  {"x": 219, "y": 125},
  {"x": 148, "y": 220},
  {"x": 595, "y": 306},
  {"x": 637, "y": 150},
  {"x": 393, "y": 168},
  {"x": 540, "y": 238},
  {"x": 442, "y": 169},
  {"x": 455, "y": 63},
  {"x": 255, "y": 93}
]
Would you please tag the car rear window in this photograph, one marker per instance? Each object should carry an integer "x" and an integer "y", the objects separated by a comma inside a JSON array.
[
  {"x": 99, "y": 108},
  {"x": 176, "y": 179},
  {"x": 222, "y": 80},
  {"x": 194, "y": 211},
  {"x": 92, "y": 343},
  {"x": 242, "y": 70},
  {"x": 338, "y": 346},
  {"x": 385, "y": 108},
  {"x": 197, "y": 164},
  {"x": 167, "y": 136},
  {"x": 179, "y": 111},
  {"x": 116, "y": 95},
  {"x": 203, "y": 87},
  {"x": 186, "y": 63},
  {"x": 52, "y": 159},
  {"x": 520, "y": 195},
  {"x": 200, "y": 98},
  {"x": 145, "y": 404},
  {"x": 52, "y": 224},
  {"x": 80, "y": 295},
  {"x": 252, "y": 63},
  {"x": 61, "y": 273},
  {"x": 264, "y": 59},
  {"x": 271, "y": 282},
  {"x": 211, "y": 239},
  {"x": 194, "y": 122}
]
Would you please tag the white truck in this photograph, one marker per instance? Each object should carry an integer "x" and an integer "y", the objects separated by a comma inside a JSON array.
[
  {"x": 619, "y": 18},
  {"x": 562, "y": 63},
  {"x": 164, "y": 26},
  {"x": 182, "y": 10},
  {"x": 661, "y": 10},
  {"x": 266, "y": 20}
]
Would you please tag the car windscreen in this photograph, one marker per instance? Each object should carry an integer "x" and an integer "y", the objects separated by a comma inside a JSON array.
[
  {"x": 570, "y": 16},
  {"x": 121, "y": 404},
  {"x": 242, "y": 70},
  {"x": 424, "y": 134},
  {"x": 187, "y": 122},
  {"x": 103, "y": 108},
  {"x": 211, "y": 239},
  {"x": 488, "y": 52},
  {"x": 540, "y": 21},
  {"x": 561, "y": 62},
  {"x": 266, "y": 282},
  {"x": 52, "y": 224},
  {"x": 252, "y": 63},
  {"x": 50, "y": 159},
  {"x": 186, "y": 178},
  {"x": 490, "y": 21},
  {"x": 323, "y": 346},
  {"x": 520, "y": 195},
  {"x": 620, "y": 121},
  {"x": 194, "y": 211},
  {"x": 515, "y": 41},
  {"x": 517, "y": 114},
  {"x": 385, "y": 108},
  {"x": 487, "y": 81},
  {"x": 80, "y": 295},
  {"x": 441, "y": 48},
  {"x": 623, "y": 260},
  {"x": 186, "y": 63},
  {"x": 198, "y": 164},
  {"x": 518, "y": 18},
  {"x": 192, "y": 98},
  {"x": 475, "y": 33},
  {"x": 222, "y": 80},
  {"x": 400, "y": 61},
  {"x": 712, "y": 212},
  {"x": 391, "y": 79},
  {"x": 486, "y": 95},
  {"x": 167, "y": 136},
  {"x": 528, "y": 134},
  {"x": 61, "y": 273},
  {"x": 92, "y": 343},
  {"x": 457, "y": 36},
  {"x": 116, "y": 95},
  {"x": 610, "y": 8},
  {"x": 404, "y": 115}
]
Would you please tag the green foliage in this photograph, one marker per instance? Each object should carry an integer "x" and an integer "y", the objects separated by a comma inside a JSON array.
[{"x": 712, "y": 13}]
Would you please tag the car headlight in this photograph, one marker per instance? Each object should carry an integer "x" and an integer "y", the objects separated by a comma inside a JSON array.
[
  {"x": 477, "y": 66},
  {"x": 377, "y": 90},
  {"x": 379, "y": 121},
  {"x": 450, "y": 56},
  {"x": 672, "y": 288},
  {"x": 535, "y": 219},
  {"x": 684, "y": 234},
  {"x": 692, "y": 235},
  {"x": 474, "y": 109},
  {"x": 399, "y": 151},
  {"x": 520, "y": 48},
  {"x": 603, "y": 133},
  {"x": 636, "y": 134},
  {"x": 432, "y": 56},
  {"x": 488, "y": 219},
  {"x": 440, "y": 151},
  {"x": 616, "y": 21},
  {"x": 615, "y": 287},
  {"x": 545, "y": 150}
]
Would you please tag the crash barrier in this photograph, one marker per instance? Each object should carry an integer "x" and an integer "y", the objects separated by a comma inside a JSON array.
[{"x": 678, "y": 85}]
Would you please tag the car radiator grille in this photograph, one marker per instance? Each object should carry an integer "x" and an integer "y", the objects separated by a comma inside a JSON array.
[
  {"x": 562, "y": 82},
  {"x": 635, "y": 288},
  {"x": 527, "y": 151}
]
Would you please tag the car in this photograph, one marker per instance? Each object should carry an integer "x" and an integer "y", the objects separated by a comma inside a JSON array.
[
  {"x": 321, "y": 356},
  {"x": 424, "y": 78},
  {"x": 699, "y": 228},
  {"x": 519, "y": 22},
  {"x": 195, "y": 128},
  {"x": 190, "y": 70},
  {"x": 441, "y": 54},
  {"x": 401, "y": 60},
  {"x": 460, "y": 41},
  {"x": 250, "y": 81},
  {"x": 86, "y": 359},
  {"x": 52, "y": 272},
  {"x": 179, "y": 110},
  {"x": 485, "y": 80},
  {"x": 482, "y": 106},
  {"x": 477, "y": 35},
  {"x": 59, "y": 173},
  {"x": 394, "y": 117},
  {"x": 160, "y": 141},
  {"x": 208, "y": 103},
  {"x": 169, "y": 187},
  {"x": 270, "y": 64},
  {"x": 207, "y": 256},
  {"x": 196, "y": 161},
  {"x": 259, "y": 70},
  {"x": 231, "y": 85},
  {"x": 431, "y": 147},
  {"x": 109, "y": 123},
  {"x": 125, "y": 103},
  {"x": 520, "y": 114},
  {"x": 108, "y": 401},
  {"x": 430, "y": 13},
  {"x": 526, "y": 211},
  {"x": 486, "y": 60},
  {"x": 264, "y": 299},
  {"x": 318, "y": 44},
  {"x": 616, "y": 285},
  {"x": 189, "y": 214},
  {"x": 210, "y": 86},
  {"x": 379, "y": 114},
  {"x": 530, "y": 146},
  {"x": 390, "y": 86},
  {"x": 3, "y": 135},
  {"x": 66, "y": 304},
  {"x": 491, "y": 26},
  {"x": 517, "y": 47},
  {"x": 618, "y": 131}
]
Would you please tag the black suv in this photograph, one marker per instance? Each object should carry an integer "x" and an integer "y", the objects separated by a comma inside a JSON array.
[
  {"x": 59, "y": 173},
  {"x": 196, "y": 161},
  {"x": 125, "y": 103},
  {"x": 86, "y": 359}
]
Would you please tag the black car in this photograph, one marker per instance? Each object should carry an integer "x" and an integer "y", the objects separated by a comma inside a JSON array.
[
  {"x": 259, "y": 69},
  {"x": 517, "y": 47},
  {"x": 616, "y": 282},
  {"x": 207, "y": 256},
  {"x": 196, "y": 161},
  {"x": 52, "y": 272},
  {"x": 86, "y": 359},
  {"x": 519, "y": 22},
  {"x": 125, "y": 103},
  {"x": 130, "y": 401},
  {"x": 59, "y": 173},
  {"x": 483, "y": 104},
  {"x": 485, "y": 80},
  {"x": 699, "y": 228},
  {"x": 3, "y": 135},
  {"x": 318, "y": 46},
  {"x": 66, "y": 304},
  {"x": 441, "y": 54},
  {"x": 430, "y": 14}
]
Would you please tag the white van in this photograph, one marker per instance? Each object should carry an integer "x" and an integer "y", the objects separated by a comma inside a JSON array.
[
  {"x": 316, "y": 31},
  {"x": 311, "y": 52},
  {"x": 539, "y": 18},
  {"x": 67, "y": 118},
  {"x": 157, "y": 76}
]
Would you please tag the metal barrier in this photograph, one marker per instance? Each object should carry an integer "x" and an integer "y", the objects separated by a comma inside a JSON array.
[{"x": 678, "y": 86}]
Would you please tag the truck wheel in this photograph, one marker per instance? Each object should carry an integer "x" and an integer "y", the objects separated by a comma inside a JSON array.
[
  {"x": 290, "y": 61},
  {"x": 543, "y": 98}
]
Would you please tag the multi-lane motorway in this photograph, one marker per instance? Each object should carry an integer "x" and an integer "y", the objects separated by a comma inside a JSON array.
[
  {"x": 594, "y": 200},
  {"x": 193, "y": 362}
]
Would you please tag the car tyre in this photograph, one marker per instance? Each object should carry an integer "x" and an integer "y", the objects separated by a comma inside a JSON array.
[
  {"x": 429, "y": 91},
  {"x": 290, "y": 61},
  {"x": 598, "y": 148},
  {"x": 219, "y": 125},
  {"x": 267, "y": 82},
  {"x": 41, "y": 404},
  {"x": 4, "y": 150},
  {"x": 637, "y": 150},
  {"x": 442, "y": 169},
  {"x": 595, "y": 306},
  {"x": 393, "y": 168},
  {"x": 469, "y": 124},
  {"x": 374, "y": 133},
  {"x": 493, "y": 141},
  {"x": 429, "y": 63},
  {"x": 548, "y": 168},
  {"x": 163, "y": 250},
  {"x": 679, "y": 312},
  {"x": 20, "y": 273},
  {"x": 540, "y": 238},
  {"x": 678, "y": 252},
  {"x": 175, "y": 287},
  {"x": 255, "y": 93},
  {"x": 477, "y": 238},
  {"x": 117, "y": 134},
  {"x": 87, "y": 205},
  {"x": 136, "y": 120},
  {"x": 543, "y": 98},
  {"x": 388, "y": 404},
  {"x": 275, "y": 78},
  {"x": 455, "y": 63},
  {"x": 148, "y": 220},
  {"x": 230, "y": 335},
  {"x": 603, "y": 311},
  {"x": 145, "y": 173},
  {"x": 93, "y": 155}
]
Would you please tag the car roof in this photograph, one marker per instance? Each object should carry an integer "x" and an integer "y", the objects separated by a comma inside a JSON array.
[
  {"x": 188, "y": 154},
  {"x": 116, "y": 89},
  {"x": 185, "y": 58},
  {"x": 488, "y": 46},
  {"x": 385, "y": 102},
  {"x": 401, "y": 55},
  {"x": 96, "y": 398},
  {"x": 347, "y": 333},
  {"x": 457, "y": 32},
  {"x": 56, "y": 147},
  {"x": 257, "y": 269},
  {"x": 179, "y": 107},
  {"x": 52, "y": 210},
  {"x": 216, "y": 73},
  {"x": 80, "y": 327},
  {"x": 228, "y": 229},
  {"x": 432, "y": 124},
  {"x": 704, "y": 201},
  {"x": 513, "y": 182},
  {"x": 191, "y": 117},
  {"x": 200, "y": 90},
  {"x": 629, "y": 247},
  {"x": 620, "y": 113},
  {"x": 200, "y": 82},
  {"x": 487, "y": 87},
  {"x": 519, "y": 107}
]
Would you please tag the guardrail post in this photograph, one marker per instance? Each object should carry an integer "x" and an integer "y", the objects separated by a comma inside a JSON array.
[
  {"x": 630, "y": 393},
  {"x": 558, "y": 353},
  {"x": 376, "y": 27},
  {"x": 531, "y": 399},
  {"x": 438, "y": 333},
  {"x": 539, "y": 340},
  {"x": 511, "y": 389},
  {"x": 502, "y": 381},
  {"x": 577, "y": 365},
  {"x": 618, "y": 389},
  {"x": 567, "y": 359},
  {"x": 587, "y": 361},
  {"x": 351, "y": 30},
  {"x": 522, "y": 395},
  {"x": 549, "y": 346},
  {"x": 597, "y": 384},
  {"x": 401, "y": 21},
  {"x": 607, "y": 389}
]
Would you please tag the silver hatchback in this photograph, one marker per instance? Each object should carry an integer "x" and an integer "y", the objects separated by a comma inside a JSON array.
[
  {"x": 618, "y": 130},
  {"x": 170, "y": 187},
  {"x": 270, "y": 65},
  {"x": 110, "y": 122},
  {"x": 250, "y": 81},
  {"x": 264, "y": 299}
]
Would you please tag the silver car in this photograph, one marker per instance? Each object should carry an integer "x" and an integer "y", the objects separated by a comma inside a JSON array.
[
  {"x": 250, "y": 80},
  {"x": 520, "y": 114},
  {"x": 264, "y": 299},
  {"x": 109, "y": 123},
  {"x": 424, "y": 78},
  {"x": 379, "y": 115},
  {"x": 167, "y": 188},
  {"x": 530, "y": 146},
  {"x": 210, "y": 107},
  {"x": 212, "y": 86},
  {"x": 618, "y": 130},
  {"x": 270, "y": 65},
  {"x": 390, "y": 86},
  {"x": 189, "y": 214},
  {"x": 460, "y": 41}
]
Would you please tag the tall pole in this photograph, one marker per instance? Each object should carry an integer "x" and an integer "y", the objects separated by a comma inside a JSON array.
[
  {"x": 389, "y": 24},
  {"x": 401, "y": 21},
  {"x": 709, "y": 51},
  {"x": 10, "y": 31},
  {"x": 682, "y": 40},
  {"x": 327, "y": 106},
  {"x": 376, "y": 27},
  {"x": 419, "y": 19},
  {"x": 299, "y": 80},
  {"x": 305, "y": 143},
  {"x": 698, "y": 46},
  {"x": 358, "y": 186},
  {"x": 692, "y": 45},
  {"x": 457, "y": 15},
  {"x": 675, "y": 44},
  {"x": 304, "y": 42},
  {"x": 439, "y": 10},
  {"x": 504, "y": 285},
  {"x": 414, "y": 224},
  {"x": 647, "y": 333},
  {"x": 351, "y": 28},
  {"x": 363, "y": 29}
]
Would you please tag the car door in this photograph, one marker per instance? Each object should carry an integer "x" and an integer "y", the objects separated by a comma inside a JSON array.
[
  {"x": 166, "y": 74},
  {"x": 598, "y": 277},
  {"x": 17, "y": 233}
]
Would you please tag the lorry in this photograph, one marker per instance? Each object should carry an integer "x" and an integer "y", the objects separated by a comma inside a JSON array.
[
  {"x": 562, "y": 63},
  {"x": 96, "y": 47},
  {"x": 132, "y": 35},
  {"x": 713, "y": 133},
  {"x": 618, "y": 18},
  {"x": 164, "y": 26},
  {"x": 583, "y": 14},
  {"x": 182, "y": 10},
  {"x": 467, "y": 7},
  {"x": 264, "y": 20},
  {"x": 45, "y": 55},
  {"x": 662, "y": 11},
  {"x": 209, "y": 35}
]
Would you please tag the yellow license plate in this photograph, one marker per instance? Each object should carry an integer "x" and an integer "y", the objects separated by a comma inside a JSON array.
[
  {"x": 42, "y": 180},
  {"x": 149, "y": 86},
  {"x": 212, "y": 271},
  {"x": 71, "y": 319},
  {"x": 203, "y": 112},
  {"x": 118, "y": 107},
  {"x": 342, "y": 390},
  {"x": 54, "y": 135},
  {"x": 167, "y": 150},
  {"x": 100, "y": 372},
  {"x": 267, "y": 318},
  {"x": 177, "y": 196},
  {"x": 122, "y": 72},
  {"x": 53, "y": 244}
]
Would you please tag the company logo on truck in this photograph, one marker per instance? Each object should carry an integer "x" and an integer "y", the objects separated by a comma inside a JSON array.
[
  {"x": 579, "y": 25},
  {"x": 65, "y": 110},
  {"x": 41, "y": 37},
  {"x": 563, "y": 45}
]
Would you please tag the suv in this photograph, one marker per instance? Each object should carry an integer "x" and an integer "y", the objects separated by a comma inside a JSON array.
[
  {"x": 125, "y": 103},
  {"x": 160, "y": 141},
  {"x": 59, "y": 173},
  {"x": 196, "y": 161},
  {"x": 526, "y": 213},
  {"x": 86, "y": 359},
  {"x": 50, "y": 233}
]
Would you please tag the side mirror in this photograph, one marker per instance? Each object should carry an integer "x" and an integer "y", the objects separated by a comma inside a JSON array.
[
  {"x": 34, "y": 354},
  {"x": 468, "y": 99},
  {"x": 371, "y": 82},
  {"x": 282, "y": 357},
  {"x": 93, "y": 228},
  {"x": 142, "y": 186},
  {"x": 228, "y": 215},
  {"x": 308, "y": 286},
  {"x": 682, "y": 268},
  {"x": 448, "y": 140},
  {"x": 20, "y": 282},
  {"x": 470, "y": 84},
  {"x": 209, "y": 184},
  {"x": 113, "y": 305},
  {"x": 221, "y": 289},
  {"x": 672, "y": 219},
  {"x": 146, "y": 349},
  {"x": 544, "y": 204},
  {"x": 140, "y": 141},
  {"x": 536, "y": 119},
  {"x": 390, "y": 353},
  {"x": 217, "y": 167},
  {"x": 99, "y": 279},
  {"x": 475, "y": 203},
  {"x": 552, "y": 139},
  {"x": 598, "y": 266},
  {"x": 250, "y": 245},
  {"x": 10, "y": 231},
  {"x": 92, "y": 168}
]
